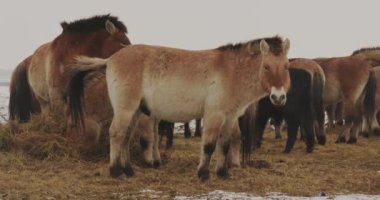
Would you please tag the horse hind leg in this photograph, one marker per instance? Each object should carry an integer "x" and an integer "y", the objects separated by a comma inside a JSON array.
[
  {"x": 145, "y": 130},
  {"x": 375, "y": 124},
  {"x": 121, "y": 132}
]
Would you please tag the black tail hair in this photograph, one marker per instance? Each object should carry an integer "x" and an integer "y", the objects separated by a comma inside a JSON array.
[
  {"x": 369, "y": 99},
  {"x": 22, "y": 102}
]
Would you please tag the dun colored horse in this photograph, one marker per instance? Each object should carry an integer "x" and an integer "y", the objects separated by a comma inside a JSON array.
[
  {"x": 350, "y": 80},
  {"x": 223, "y": 83},
  {"x": 46, "y": 74}
]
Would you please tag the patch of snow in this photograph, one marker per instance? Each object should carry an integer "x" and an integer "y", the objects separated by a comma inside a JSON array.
[
  {"x": 224, "y": 195},
  {"x": 4, "y": 99}
]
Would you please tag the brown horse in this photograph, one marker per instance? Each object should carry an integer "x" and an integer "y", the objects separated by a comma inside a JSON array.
[
  {"x": 350, "y": 80},
  {"x": 223, "y": 83},
  {"x": 46, "y": 75}
]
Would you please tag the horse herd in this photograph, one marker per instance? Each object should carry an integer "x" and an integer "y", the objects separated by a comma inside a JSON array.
[{"x": 93, "y": 74}]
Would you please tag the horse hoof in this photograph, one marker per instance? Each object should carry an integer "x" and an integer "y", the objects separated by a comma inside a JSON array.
[
  {"x": 322, "y": 140},
  {"x": 286, "y": 151},
  {"x": 203, "y": 174},
  {"x": 309, "y": 149},
  {"x": 352, "y": 141},
  {"x": 340, "y": 140},
  {"x": 222, "y": 173},
  {"x": 116, "y": 171},
  {"x": 376, "y": 131},
  {"x": 364, "y": 134},
  {"x": 128, "y": 171},
  {"x": 340, "y": 123},
  {"x": 156, "y": 164},
  {"x": 278, "y": 137}
]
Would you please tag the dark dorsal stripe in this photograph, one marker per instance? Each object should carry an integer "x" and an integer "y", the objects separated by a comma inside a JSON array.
[
  {"x": 91, "y": 24},
  {"x": 364, "y": 50},
  {"x": 275, "y": 44}
]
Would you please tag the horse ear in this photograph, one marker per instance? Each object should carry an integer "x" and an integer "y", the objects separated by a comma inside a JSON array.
[
  {"x": 286, "y": 46},
  {"x": 64, "y": 25},
  {"x": 110, "y": 27},
  {"x": 264, "y": 47}
]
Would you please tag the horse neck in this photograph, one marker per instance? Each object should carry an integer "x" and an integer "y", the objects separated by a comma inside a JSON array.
[{"x": 246, "y": 78}]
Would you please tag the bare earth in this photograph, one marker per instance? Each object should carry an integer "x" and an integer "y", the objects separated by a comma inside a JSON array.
[{"x": 331, "y": 169}]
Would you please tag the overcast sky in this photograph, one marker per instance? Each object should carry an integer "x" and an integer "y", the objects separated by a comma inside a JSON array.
[{"x": 319, "y": 28}]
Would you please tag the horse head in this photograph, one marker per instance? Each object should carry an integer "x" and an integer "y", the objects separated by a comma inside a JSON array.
[{"x": 273, "y": 72}]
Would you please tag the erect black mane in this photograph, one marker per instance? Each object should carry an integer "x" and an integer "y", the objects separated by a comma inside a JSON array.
[
  {"x": 91, "y": 24},
  {"x": 275, "y": 44},
  {"x": 364, "y": 50}
]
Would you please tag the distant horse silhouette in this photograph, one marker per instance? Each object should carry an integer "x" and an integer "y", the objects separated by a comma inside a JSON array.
[
  {"x": 223, "y": 83},
  {"x": 303, "y": 109},
  {"x": 45, "y": 76},
  {"x": 350, "y": 80}
]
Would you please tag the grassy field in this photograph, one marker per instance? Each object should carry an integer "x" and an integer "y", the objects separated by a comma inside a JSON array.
[{"x": 45, "y": 165}]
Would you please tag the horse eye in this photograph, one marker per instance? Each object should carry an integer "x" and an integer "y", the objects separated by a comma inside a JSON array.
[{"x": 266, "y": 67}]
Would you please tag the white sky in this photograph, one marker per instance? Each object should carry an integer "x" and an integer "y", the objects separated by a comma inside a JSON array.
[{"x": 318, "y": 28}]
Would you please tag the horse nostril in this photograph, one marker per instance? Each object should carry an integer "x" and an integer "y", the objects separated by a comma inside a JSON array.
[
  {"x": 282, "y": 97},
  {"x": 273, "y": 97}
]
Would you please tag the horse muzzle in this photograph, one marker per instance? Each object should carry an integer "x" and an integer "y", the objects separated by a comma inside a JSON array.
[{"x": 278, "y": 97}]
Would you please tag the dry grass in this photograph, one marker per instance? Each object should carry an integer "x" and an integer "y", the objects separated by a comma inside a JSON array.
[{"x": 62, "y": 173}]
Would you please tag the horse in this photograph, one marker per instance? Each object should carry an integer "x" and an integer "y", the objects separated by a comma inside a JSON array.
[
  {"x": 46, "y": 73},
  {"x": 223, "y": 83},
  {"x": 318, "y": 77},
  {"x": 350, "y": 80},
  {"x": 303, "y": 109},
  {"x": 22, "y": 101}
]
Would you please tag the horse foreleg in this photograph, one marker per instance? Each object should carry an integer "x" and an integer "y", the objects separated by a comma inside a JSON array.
[
  {"x": 145, "y": 129},
  {"x": 156, "y": 150},
  {"x": 339, "y": 113},
  {"x": 330, "y": 110},
  {"x": 375, "y": 124},
  {"x": 354, "y": 130},
  {"x": 307, "y": 127},
  {"x": 223, "y": 147},
  {"x": 198, "y": 128},
  {"x": 292, "y": 135},
  {"x": 212, "y": 126},
  {"x": 187, "y": 130},
  {"x": 234, "y": 152}
]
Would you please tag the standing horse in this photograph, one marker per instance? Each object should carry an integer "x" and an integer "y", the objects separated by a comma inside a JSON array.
[
  {"x": 303, "y": 109},
  {"x": 350, "y": 80},
  {"x": 46, "y": 74},
  {"x": 223, "y": 83}
]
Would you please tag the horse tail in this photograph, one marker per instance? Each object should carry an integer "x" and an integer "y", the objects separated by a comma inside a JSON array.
[
  {"x": 317, "y": 98},
  {"x": 21, "y": 100},
  {"x": 76, "y": 86},
  {"x": 369, "y": 99},
  {"x": 247, "y": 127}
]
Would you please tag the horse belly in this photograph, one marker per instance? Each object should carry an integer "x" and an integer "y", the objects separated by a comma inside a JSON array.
[{"x": 176, "y": 103}]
